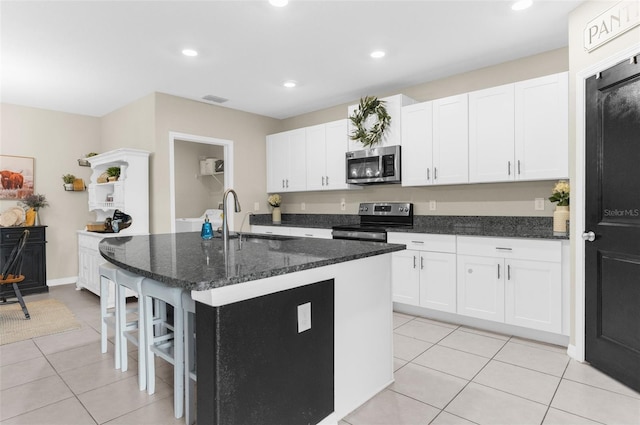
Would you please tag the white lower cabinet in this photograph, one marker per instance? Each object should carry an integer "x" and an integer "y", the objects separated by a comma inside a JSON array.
[
  {"x": 425, "y": 273},
  {"x": 514, "y": 281}
]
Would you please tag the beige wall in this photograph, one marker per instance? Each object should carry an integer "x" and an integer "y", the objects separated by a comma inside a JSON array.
[
  {"x": 515, "y": 199},
  {"x": 55, "y": 140},
  {"x": 247, "y": 131},
  {"x": 580, "y": 59}
]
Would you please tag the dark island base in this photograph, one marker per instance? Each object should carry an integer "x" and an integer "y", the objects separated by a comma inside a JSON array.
[{"x": 253, "y": 365}]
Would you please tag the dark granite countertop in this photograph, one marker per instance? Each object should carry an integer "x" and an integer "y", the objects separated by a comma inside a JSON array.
[
  {"x": 504, "y": 227},
  {"x": 185, "y": 260}
]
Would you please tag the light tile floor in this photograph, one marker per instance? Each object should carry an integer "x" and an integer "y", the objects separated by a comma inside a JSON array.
[{"x": 445, "y": 374}]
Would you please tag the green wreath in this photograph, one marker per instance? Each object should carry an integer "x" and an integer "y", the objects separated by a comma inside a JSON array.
[{"x": 369, "y": 137}]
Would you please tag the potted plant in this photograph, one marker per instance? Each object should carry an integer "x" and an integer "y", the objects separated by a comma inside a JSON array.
[
  {"x": 68, "y": 180},
  {"x": 34, "y": 202},
  {"x": 275, "y": 200},
  {"x": 561, "y": 194},
  {"x": 83, "y": 161},
  {"x": 113, "y": 173}
]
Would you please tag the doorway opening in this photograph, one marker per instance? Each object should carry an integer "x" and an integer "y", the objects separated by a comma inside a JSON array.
[{"x": 192, "y": 191}]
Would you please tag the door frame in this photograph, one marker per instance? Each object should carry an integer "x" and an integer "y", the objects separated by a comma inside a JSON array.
[
  {"x": 578, "y": 197},
  {"x": 228, "y": 167}
]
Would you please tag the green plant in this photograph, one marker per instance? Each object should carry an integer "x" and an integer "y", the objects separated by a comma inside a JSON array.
[
  {"x": 113, "y": 171},
  {"x": 68, "y": 178},
  {"x": 34, "y": 201},
  {"x": 90, "y": 154}
]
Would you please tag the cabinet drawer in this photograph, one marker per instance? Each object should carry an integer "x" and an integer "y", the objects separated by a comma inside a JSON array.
[
  {"x": 309, "y": 232},
  {"x": 535, "y": 250},
  {"x": 271, "y": 230},
  {"x": 10, "y": 235},
  {"x": 89, "y": 242},
  {"x": 424, "y": 241}
]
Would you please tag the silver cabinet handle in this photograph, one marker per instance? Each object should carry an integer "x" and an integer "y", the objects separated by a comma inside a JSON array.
[
  {"x": 435, "y": 173},
  {"x": 508, "y": 272},
  {"x": 417, "y": 242},
  {"x": 518, "y": 167},
  {"x": 414, "y": 261},
  {"x": 428, "y": 177},
  {"x": 499, "y": 248},
  {"x": 421, "y": 262},
  {"x": 287, "y": 183},
  {"x": 509, "y": 167},
  {"x": 498, "y": 271},
  {"x": 323, "y": 180},
  {"x": 327, "y": 180},
  {"x": 589, "y": 236},
  {"x": 283, "y": 183},
  {"x": 308, "y": 234}
]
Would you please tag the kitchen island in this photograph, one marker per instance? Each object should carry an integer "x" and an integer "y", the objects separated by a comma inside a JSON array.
[{"x": 289, "y": 330}]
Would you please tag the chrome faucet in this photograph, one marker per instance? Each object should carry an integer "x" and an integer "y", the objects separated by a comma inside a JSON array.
[{"x": 225, "y": 226}]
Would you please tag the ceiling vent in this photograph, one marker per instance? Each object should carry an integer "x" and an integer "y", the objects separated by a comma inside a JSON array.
[{"x": 216, "y": 99}]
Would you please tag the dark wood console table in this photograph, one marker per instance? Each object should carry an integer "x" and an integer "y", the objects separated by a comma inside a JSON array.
[{"x": 34, "y": 266}]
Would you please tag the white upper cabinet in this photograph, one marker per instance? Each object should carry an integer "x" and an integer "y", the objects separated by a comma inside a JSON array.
[
  {"x": 417, "y": 144},
  {"x": 542, "y": 128},
  {"x": 519, "y": 131},
  {"x": 434, "y": 142},
  {"x": 451, "y": 140},
  {"x": 491, "y": 134},
  {"x": 286, "y": 161},
  {"x": 326, "y": 148},
  {"x": 393, "y": 134}
]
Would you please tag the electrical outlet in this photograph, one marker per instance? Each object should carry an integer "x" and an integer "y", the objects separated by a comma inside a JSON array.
[
  {"x": 432, "y": 205},
  {"x": 539, "y": 204},
  {"x": 303, "y": 206},
  {"x": 304, "y": 317},
  {"x": 343, "y": 205},
  {"x": 256, "y": 206}
]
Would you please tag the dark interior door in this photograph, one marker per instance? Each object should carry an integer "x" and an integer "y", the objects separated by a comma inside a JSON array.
[{"x": 612, "y": 259}]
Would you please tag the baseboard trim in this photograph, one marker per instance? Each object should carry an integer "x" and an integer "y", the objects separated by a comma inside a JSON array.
[{"x": 62, "y": 281}]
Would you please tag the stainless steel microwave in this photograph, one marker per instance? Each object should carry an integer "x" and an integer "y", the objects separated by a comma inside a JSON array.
[{"x": 373, "y": 166}]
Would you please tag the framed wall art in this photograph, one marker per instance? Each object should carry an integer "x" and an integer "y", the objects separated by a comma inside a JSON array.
[{"x": 16, "y": 176}]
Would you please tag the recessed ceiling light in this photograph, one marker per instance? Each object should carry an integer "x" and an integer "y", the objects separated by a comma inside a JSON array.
[
  {"x": 189, "y": 52},
  {"x": 279, "y": 3},
  {"x": 377, "y": 54},
  {"x": 290, "y": 84},
  {"x": 521, "y": 5}
]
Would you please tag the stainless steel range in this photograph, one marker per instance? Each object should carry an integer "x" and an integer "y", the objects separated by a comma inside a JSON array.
[{"x": 375, "y": 219}]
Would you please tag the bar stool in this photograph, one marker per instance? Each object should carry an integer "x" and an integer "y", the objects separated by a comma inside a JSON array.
[
  {"x": 189, "y": 309},
  {"x": 168, "y": 341},
  {"x": 131, "y": 331},
  {"x": 108, "y": 316}
]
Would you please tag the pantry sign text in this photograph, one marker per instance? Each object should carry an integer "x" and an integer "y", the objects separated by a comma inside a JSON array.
[{"x": 610, "y": 24}]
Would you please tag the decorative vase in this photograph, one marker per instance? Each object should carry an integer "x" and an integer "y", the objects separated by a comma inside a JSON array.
[
  {"x": 560, "y": 217},
  {"x": 36, "y": 221},
  {"x": 276, "y": 215}
]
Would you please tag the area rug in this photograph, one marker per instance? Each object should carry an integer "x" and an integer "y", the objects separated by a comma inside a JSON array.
[{"x": 47, "y": 317}]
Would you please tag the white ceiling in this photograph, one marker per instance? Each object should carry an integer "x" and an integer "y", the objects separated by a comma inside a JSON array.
[{"x": 92, "y": 57}]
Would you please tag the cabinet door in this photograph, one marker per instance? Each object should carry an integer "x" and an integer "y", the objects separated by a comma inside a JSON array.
[
  {"x": 541, "y": 128},
  {"x": 438, "y": 281},
  {"x": 296, "y": 180},
  {"x": 450, "y": 140},
  {"x": 337, "y": 141},
  {"x": 277, "y": 162},
  {"x": 481, "y": 287},
  {"x": 406, "y": 277},
  {"x": 534, "y": 295},
  {"x": 491, "y": 134},
  {"x": 316, "y": 157},
  {"x": 417, "y": 141}
]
